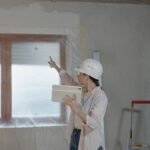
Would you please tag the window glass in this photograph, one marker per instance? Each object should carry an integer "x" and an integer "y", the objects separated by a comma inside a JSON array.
[{"x": 32, "y": 79}]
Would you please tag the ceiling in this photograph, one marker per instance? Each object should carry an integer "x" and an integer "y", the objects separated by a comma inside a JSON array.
[
  {"x": 108, "y": 1},
  {"x": 12, "y": 3}
]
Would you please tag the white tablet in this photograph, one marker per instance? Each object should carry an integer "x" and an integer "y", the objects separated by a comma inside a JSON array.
[{"x": 59, "y": 91}]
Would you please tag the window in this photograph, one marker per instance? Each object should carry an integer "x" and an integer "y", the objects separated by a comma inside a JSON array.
[{"x": 27, "y": 77}]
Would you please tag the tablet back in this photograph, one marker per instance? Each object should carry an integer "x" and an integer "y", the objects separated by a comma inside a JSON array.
[{"x": 59, "y": 91}]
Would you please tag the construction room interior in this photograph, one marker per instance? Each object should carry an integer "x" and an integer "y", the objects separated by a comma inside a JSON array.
[{"x": 35, "y": 34}]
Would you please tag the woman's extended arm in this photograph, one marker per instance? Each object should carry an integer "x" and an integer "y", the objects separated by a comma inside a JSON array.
[{"x": 65, "y": 77}]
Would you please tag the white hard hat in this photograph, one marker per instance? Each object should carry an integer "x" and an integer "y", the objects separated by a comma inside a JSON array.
[{"x": 92, "y": 68}]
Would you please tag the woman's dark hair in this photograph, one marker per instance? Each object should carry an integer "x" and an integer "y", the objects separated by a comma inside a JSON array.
[{"x": 95, "y": 81}]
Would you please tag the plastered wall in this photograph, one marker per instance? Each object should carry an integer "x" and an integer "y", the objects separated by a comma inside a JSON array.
[{"x": 121, "y": 32}]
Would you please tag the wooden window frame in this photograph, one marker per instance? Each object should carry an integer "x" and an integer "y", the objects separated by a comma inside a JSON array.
[{"x": 6, "y": 93}]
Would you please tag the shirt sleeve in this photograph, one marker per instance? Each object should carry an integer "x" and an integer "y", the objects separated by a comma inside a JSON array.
[
  {"x": 69, "y": 128},
  {"x": 66, "y": 78},
  {"x": 97, "y": 111}
]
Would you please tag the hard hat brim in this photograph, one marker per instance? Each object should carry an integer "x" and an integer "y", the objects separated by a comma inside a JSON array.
[{"x": 78, "y": 70}]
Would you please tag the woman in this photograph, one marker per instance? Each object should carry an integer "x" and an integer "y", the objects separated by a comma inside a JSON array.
[{"x": 86, "y": 125}]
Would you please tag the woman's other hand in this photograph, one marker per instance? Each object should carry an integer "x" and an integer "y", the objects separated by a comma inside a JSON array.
[{"x": 71, "y": 102}]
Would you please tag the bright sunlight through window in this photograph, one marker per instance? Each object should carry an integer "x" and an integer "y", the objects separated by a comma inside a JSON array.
[{"x": 32, "y": 79}]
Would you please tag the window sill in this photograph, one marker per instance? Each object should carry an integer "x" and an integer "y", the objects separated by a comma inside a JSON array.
[{"x": 32, "y": 122}]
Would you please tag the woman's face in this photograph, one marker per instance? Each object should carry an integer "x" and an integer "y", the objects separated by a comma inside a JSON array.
[{"x": 82, "y": 78}]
